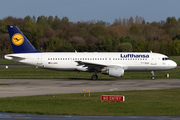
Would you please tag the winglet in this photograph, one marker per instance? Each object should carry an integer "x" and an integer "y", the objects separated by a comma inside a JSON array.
[{"x": 20, "y": 43}]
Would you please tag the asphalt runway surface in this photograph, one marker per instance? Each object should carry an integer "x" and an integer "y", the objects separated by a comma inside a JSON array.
[
  {"x": 29, "y": 87},
  {"x": 15, "y": 116}
]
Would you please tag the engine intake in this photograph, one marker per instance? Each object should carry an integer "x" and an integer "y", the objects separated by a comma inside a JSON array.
[{"x": 113, "y": 71}]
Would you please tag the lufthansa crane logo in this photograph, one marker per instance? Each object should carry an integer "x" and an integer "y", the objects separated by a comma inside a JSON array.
[{"x": 17, "y": 39}]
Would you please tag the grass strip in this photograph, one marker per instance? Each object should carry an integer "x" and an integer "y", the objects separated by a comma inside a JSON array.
[
  {"x": 35, "y": 73},
  {"x": 3, "y": 84},
  {"x": 7, "y": 62},
  {"x": 144, "y": 102}
]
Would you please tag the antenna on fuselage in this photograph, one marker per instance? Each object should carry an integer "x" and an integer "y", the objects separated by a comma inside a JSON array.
[
  {"x": 75, "y": 51},
  {"x": 150, "y": 51}
]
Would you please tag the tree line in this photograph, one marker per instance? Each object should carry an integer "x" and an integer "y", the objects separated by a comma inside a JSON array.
[{"x": 124, "y": 35}]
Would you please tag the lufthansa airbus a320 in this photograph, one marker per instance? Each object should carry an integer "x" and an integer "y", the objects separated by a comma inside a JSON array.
[{"x": 111, "y": 63}]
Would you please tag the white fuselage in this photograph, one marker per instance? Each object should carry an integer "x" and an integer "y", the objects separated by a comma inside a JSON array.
[{"x": 68, "y": 61}]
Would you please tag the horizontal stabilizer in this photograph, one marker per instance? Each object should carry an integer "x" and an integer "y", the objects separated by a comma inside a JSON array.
[{"x": 13, "y": 56}]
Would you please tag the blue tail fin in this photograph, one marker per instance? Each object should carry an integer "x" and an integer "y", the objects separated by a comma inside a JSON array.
[{"x": 20, "y": 43}]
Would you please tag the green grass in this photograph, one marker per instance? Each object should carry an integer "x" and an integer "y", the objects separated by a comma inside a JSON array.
[
  {"x": 145, "y": 102},
  {"x": 32, "y": 72},
  {"x": 7, "y": 62},
  {"x": 3, "y": 84},
  {"x": 176, "y": 59}
]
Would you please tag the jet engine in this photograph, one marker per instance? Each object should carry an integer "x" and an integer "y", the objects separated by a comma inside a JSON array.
[{"x": 113, "y": 71}]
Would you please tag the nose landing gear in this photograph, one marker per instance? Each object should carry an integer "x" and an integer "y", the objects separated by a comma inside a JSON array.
[{"x": 153, "y": 77}]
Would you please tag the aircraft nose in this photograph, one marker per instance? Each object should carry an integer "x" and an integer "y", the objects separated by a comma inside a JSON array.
[{"x": 174, "y": 64}]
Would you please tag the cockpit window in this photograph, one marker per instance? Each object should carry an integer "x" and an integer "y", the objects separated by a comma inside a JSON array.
[{"x": 165, "y": 58}]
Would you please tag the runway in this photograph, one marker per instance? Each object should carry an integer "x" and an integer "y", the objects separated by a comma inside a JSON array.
[
  {"x": 15, "y": 116},
  {"x": 29, "y": 87}
]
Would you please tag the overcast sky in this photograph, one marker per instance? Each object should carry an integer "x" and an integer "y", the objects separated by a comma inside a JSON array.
[{"x": 105, "y": 10}]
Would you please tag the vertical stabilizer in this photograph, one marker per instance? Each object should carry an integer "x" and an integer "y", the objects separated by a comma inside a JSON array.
[{"x": 20, "y": 43}]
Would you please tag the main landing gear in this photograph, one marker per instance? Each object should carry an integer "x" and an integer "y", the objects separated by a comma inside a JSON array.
[
  {"x": 95, "y": 76},
  {"x": 153, "y": 78}
]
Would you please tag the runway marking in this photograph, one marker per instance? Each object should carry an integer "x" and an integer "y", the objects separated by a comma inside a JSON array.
[{"x": 17, "y": 116}]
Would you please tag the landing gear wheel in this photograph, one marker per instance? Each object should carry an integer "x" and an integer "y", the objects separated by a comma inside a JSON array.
[
  {"x": 94, "y": 77},
  {"x": 97, "y": 77},
  {"x": 153, "y": 78}
]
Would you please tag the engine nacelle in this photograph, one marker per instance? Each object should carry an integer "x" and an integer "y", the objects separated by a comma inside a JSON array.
[{"x": 113, "y": 71}]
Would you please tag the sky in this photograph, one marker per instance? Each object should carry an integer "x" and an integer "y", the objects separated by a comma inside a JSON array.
[{"x": 86, "y": 10}]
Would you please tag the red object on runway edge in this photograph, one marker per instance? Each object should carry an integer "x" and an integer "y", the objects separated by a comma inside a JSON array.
[{"x": 112, "y": 98}]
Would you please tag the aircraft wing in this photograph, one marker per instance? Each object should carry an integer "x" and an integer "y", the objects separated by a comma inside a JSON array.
[{"x": 91, "y": 66}]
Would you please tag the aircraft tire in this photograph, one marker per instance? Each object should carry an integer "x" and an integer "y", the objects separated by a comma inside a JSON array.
[
  {"x": 153, "y": 78},
  {"x": 94, "y": 77}
]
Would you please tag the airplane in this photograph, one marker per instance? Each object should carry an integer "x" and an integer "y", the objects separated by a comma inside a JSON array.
[{"x": 110, "y": 63}]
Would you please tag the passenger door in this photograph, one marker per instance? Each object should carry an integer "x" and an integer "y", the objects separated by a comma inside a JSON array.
[
  {"x": 153, "y": 60},
  {"x": 39, "y": 60}
]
